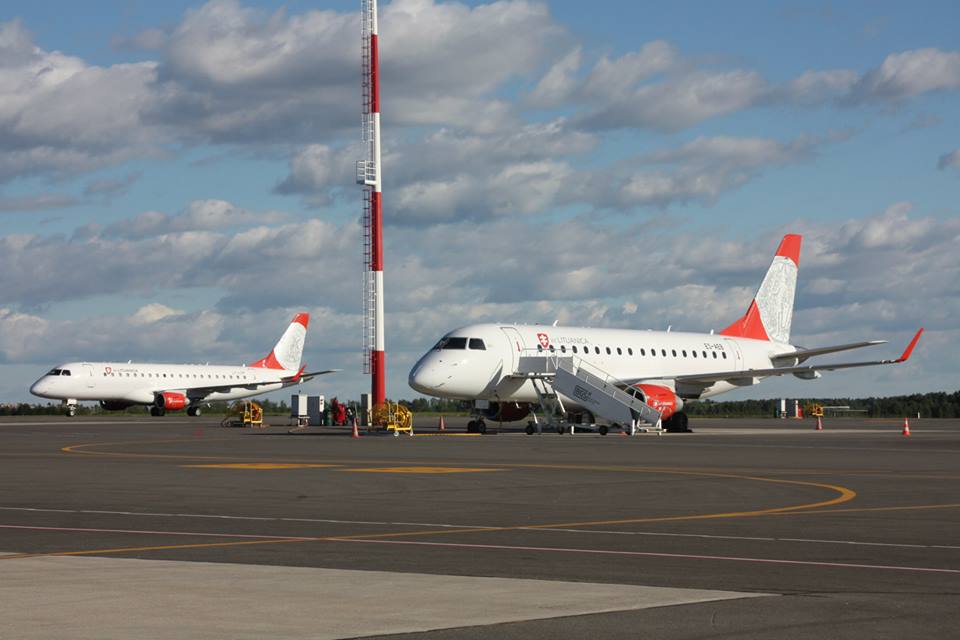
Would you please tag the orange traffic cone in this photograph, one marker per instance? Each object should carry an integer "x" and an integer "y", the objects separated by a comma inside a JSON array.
[
  {"x": 356, "y": 432},
  {"x": 442, "y": 426},
  {"x": 906, "y": 426},
  {"x": 819, "y": 423}
]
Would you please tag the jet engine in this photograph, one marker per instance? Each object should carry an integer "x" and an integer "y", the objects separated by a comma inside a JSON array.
[
  {"x": 171, "y": 400},
  {"x": 663, "y": 399},
  {"x": 114, "y": 405},
  {"x": 507, "y": 411}
]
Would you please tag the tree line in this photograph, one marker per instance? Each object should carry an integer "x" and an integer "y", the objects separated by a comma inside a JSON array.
[{"x": 938, "y": 404}]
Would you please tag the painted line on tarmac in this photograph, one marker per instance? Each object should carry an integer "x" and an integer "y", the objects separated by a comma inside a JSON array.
[
  {"x": 662, "y": 534},
  {"x": 226, "y": 517},
  {"x": 653, "y": 554},
  {"x": 147, "y": 532},
  {"x": 93, "y": 552}
]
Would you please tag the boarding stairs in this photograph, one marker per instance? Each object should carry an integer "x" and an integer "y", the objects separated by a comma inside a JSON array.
[{"x": 554, "y": 377}]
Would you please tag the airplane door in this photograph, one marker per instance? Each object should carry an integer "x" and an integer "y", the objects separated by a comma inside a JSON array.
[
  {"x": 516, "y": 346},
  {"x": 734, "y": 350},
  {"x": 88, "y": 374}
]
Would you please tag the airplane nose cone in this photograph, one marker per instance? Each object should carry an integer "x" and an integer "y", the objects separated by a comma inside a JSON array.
[
  {"x": 39, "y": 388},
  {"x": 426, "y": 379}
]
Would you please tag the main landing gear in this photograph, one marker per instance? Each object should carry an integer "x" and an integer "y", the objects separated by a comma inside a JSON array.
[
  {"x": 477, "y": 426},
  {"x": 157, "y": 412},
  {"x": 677, "y": 423},
  {"x": 193, "y": 412}
]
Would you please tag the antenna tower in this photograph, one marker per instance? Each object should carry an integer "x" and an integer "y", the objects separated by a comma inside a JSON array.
[{"x": 368, "y": 175}]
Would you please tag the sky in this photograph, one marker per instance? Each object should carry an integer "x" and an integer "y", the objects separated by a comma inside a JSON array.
[{"x": 177, "y": 178}]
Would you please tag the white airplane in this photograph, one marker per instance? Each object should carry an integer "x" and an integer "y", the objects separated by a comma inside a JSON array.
[
  {"x": 163, "y": 387},
  {"x": 663, "y": 368}
]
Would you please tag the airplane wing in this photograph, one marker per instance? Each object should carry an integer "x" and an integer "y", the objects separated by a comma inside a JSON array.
[
  {"x": 303, "y": 377},
  {"x": 802, "y": 354},
  {"x": 300, "y": 376},
  {"x": 798, "y": 370}
]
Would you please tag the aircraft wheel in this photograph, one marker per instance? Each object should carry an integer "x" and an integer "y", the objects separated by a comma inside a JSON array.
[
  {"x": 71, "y": 411},
  {"x": 481, "y": 426},
  {"x": 603, "y": 429},
  {"x": 156, "y": 412},
  {"x": 682, "y": 422},
  {"x": 529, "y": 429},
  {"x": 193, "y": 411},
  {"x": 561, "y": 430}
]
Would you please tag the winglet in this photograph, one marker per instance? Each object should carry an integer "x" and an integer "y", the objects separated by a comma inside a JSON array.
[{"x": 909, "y": 349}]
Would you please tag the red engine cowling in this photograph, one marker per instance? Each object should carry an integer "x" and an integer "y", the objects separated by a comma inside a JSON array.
[
  {"x": 507, "y": 411},
  {"x": 663, "y": 399},
  {"x": 171, "y": 401}
]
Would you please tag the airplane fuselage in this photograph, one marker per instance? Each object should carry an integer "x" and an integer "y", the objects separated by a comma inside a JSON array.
[
  {"x": 478, "y": 361},
  {"x": 140, "y": 383}
]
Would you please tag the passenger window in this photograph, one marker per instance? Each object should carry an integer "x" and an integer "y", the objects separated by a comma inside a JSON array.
[
  {"x": 714, "y": 355},
  {"x": 539, "y": 347},
  {"x": 629, "y": 351},
  {"x": 653, "y": 353},
  {"x": 663, "y": 352},
  {"x": 694, "y": 353},
  {"x": 704, "y": 354},
  {"x": 574, "y": 348},
  {"x": 552, "y": 349},
  {"x": 619, "y": 352},
  {"x": 477, "y": 344},
  {"x": 674, "y": 352},
  {"x": 724, "y": 355},
  {"x": 597, "y": 349},
  {"x": 684, "y": 353},
  {"x": 643, "y": 351},
  {"x": 608, "y": 350},
  {"x": 563, "y": 348}
]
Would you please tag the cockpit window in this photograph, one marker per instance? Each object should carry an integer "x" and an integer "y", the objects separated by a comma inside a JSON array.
[
  {"x": 452, "y": 343},
  {"x": 477, "y": 344},
  {"x": 54, "y": 372},
  {"x": 65, "y": 372}
]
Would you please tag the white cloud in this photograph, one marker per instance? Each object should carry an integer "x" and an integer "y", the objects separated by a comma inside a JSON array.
[
  {"x": 910, "y": 73},
  {"x": 199, "y": 215},
  {"x": 951, "y": 159}
]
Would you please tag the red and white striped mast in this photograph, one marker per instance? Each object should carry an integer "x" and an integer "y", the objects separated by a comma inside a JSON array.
[{"x": 368, "y": 174}]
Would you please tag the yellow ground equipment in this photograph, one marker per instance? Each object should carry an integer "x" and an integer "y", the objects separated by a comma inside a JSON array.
[
  {"x": 813, "y": 410},
  {"x": 243, "y": 414},
  {"x": 393, "y": 417}
]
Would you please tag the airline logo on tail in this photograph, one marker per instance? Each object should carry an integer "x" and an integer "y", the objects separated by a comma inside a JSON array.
[
  {"x": 771, "y": 312},
  {"x": 289, "y": 349}
]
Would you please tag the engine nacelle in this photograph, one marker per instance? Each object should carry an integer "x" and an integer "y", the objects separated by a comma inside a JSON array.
[
  {"x": 114, "y": 405},
  {"x": 808, "y": 375},
  {"x": 663, "y": 399},
  {"x": 506, "y": 411},
  {"x": 171, "y": 401}
]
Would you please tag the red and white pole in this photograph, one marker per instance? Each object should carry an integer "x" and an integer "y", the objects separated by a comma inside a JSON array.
[
  {"x": 378, "y": 361},
  {"x": 371, "y": 179}
]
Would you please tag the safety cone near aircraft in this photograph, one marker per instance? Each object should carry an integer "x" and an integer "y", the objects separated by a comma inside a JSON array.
[
  {"x": 906, "y": 426},
  {"x": 819, "y": 423},
  {"x": 356, "y": 430},
  {"x": 441, "y": 426}
]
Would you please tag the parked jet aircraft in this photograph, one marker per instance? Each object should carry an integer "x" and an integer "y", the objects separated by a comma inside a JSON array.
[
  {"x": 163, "y": 387},
  {"x": 664, "y": 369}
]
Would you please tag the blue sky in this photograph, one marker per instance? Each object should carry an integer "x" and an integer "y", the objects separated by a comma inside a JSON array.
[{"x": 176, "y": 178}]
